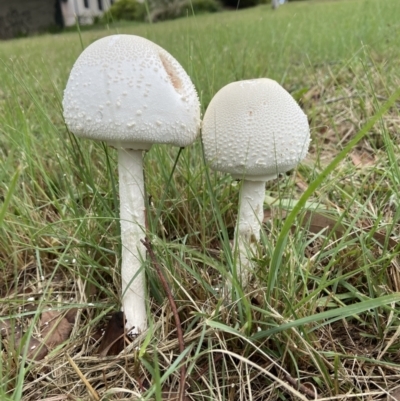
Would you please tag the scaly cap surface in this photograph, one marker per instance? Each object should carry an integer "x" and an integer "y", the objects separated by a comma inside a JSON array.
[
  {"x": 129, "y": 92},
  {"x": 254, "y": 129}
]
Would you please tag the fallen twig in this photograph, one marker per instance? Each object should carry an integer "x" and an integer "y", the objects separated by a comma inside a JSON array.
[{"x": 179, "y": 331}]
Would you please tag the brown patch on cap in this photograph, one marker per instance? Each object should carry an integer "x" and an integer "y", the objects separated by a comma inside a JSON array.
[{"x": 173, "y": 76}]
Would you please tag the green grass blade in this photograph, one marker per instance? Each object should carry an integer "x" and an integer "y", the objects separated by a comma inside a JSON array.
[
  {"x": 276, "y": 260},
  {"x": 7, "y": 198},
  {"x": 332, "y": 315}
]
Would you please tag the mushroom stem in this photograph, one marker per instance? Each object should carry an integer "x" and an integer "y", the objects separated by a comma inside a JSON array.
[
  {"x": 251, "y": 210},
  {"x": 132, "y": 218},
  {"x": 247, "y": 233}
]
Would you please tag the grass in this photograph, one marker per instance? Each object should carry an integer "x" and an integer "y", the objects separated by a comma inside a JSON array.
[{"x": 322, "y": 311}]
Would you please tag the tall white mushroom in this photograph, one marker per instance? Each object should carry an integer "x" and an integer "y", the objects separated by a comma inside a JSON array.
[
  {"x": 254, "y": 130},
  {"x": 129, "y": 92}
]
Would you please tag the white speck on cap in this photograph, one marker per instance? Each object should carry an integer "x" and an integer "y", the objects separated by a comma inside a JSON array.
[
  {"x": 255, "y": 129},
  {"x": 112, "y": 64}
]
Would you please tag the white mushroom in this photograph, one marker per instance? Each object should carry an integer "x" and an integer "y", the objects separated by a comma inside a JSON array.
[
  {"x": 253, "y": 130},
  {"x": 131, "y": 93}
]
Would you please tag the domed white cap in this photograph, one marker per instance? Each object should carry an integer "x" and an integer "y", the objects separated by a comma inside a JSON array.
[
  {"x": 131, "y": 93},
  {"x": 254, "y": 129}
]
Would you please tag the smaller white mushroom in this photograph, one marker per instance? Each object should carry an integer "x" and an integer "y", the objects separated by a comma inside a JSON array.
[{"x": 254, "y": 130}]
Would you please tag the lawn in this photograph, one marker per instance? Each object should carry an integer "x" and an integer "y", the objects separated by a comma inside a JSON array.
[{"x": 320, "y": 317}]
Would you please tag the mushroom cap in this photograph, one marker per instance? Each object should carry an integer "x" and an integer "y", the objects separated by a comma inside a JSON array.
[
  {"x": 254, "y": 129},
  {"x": 131, "y": 93}
]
